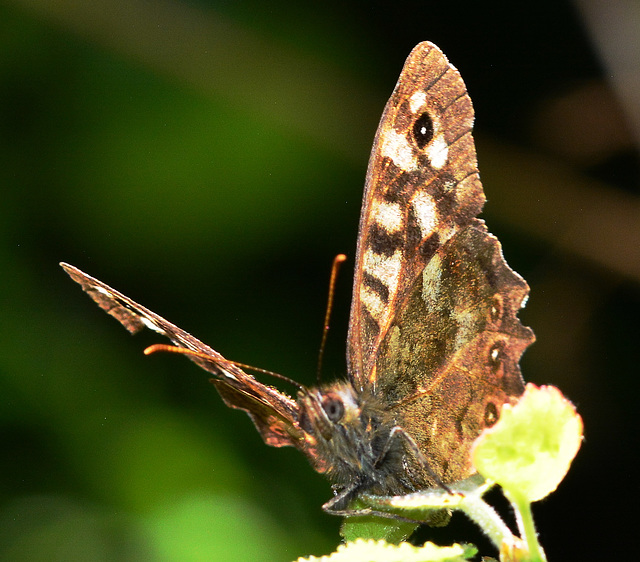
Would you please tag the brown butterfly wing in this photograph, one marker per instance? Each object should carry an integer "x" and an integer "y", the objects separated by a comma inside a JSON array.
[
  {"x": 450, "y": 358},
  {"x": 273, "y": 413},
  {"x": 433, "y": 329},
  {"x": 422, "y": 187}
]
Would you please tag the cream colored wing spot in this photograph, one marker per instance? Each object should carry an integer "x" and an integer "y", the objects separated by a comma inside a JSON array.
[
  {"x": 151, "y": 325},
  {"x": 438, "y": 152},
  {"x": 228, "y": 375},
  {"x": 372, "y": 302},
  {"x": 396, "y": 147},
  {"x": 417, "y": 100},
  {"x": 385, "y": 268},
  {"x": 426, "y": 213},
  {"x": 432, "y": 280},
  {"x": 102, "y": 291},
  {"x": 388, "y": 215},
  {"x": 434, "y": 428}
]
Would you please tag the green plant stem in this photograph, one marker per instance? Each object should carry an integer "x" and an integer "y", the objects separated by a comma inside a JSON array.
[
  {"x": 487, "y": 519},
  {"x": 524, "y": 518}
]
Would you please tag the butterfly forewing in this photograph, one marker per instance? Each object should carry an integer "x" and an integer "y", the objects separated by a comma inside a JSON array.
[
  {"x": 433, "y": 331},
  {"x": 272, "y": 412},
  {"x": 422, "y": 186}
]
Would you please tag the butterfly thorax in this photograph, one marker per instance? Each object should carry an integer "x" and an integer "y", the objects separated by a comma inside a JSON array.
[{"x": 349, "y": 436}]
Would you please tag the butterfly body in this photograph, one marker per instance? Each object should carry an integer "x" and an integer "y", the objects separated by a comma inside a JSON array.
[
  {"x": 351, "y": 439},
  {"x": 434, "y": 340}
]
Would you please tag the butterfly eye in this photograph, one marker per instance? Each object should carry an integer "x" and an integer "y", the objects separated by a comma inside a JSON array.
[
  {"x": 333, "y": 407},
  {"x": 423, "y": 130}
]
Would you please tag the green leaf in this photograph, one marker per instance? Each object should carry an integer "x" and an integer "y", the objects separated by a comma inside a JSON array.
[
  {"x": 376, "y": 528},
  {"x": 529, "y": 450},
  {"x": 381, "y": 551}
]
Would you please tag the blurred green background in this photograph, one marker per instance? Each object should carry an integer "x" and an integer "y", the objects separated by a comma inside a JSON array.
[{"x": 207, "y": 159}]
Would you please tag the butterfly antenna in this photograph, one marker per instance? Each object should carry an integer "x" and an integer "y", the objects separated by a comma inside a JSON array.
[
  {"x": 339, "y": 259},
  {"x": 192, "y": 353}
]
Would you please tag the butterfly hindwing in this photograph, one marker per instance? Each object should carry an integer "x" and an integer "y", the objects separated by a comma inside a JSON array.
[{"x": 449, "y": 360}]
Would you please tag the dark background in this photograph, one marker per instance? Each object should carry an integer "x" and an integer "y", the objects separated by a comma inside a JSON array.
[{"x": 208, "y": 160}]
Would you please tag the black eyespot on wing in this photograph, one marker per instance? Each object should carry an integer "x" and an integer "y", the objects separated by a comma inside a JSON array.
[
  {"x": 423, "y": 130},
  {"x": 495, "y": 312},
  {"x": 496, "y": 355},
  {"x": 490, "y": 414}
]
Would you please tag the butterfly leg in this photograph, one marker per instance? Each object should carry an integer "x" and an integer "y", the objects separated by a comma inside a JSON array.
[
  {"x": 350, "y": 493},
  {"x": 399, "y": 433},
  {"x": 336, "y": 503}
]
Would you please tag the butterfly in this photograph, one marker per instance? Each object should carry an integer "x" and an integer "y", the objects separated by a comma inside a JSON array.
[{"x": 434, "y": 340}]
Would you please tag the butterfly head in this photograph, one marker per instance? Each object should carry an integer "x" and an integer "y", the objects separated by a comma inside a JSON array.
[
  {"x": 335, "y": 430},
  {"x": 348, "y": 436}
]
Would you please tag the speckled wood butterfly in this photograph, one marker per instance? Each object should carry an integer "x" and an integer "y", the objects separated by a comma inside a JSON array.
[{"x": 434, "y": 341}]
